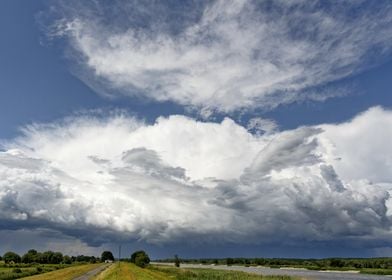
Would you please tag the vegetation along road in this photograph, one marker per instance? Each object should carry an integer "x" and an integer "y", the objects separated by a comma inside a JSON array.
[
  {"x": 68, "y": 273},
  {"x": 301, "y": 273}
]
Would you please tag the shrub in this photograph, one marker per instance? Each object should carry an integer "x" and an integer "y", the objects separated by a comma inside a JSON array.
[
  {"x": 176, "y": 261},
  {"x": 17, "y": 270},
  {"x": 140, "y": 258}
]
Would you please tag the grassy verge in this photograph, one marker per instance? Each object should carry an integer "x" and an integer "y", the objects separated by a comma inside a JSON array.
[
  {"x": 16, "y": 271},
  {"x": 129, "y": 271},
  {"x": 114, "y": 272},
  {"x": 64, "y": 274},
  {"x": 377, "y": 271}
]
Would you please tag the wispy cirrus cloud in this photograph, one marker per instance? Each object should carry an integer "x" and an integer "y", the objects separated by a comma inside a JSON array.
[
  {"x": 225, "y": 55},
  {"x": 182, "y": 180}
]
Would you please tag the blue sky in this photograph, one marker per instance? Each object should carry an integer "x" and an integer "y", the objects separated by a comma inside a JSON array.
[
  {"x": 230, "y": 105},
  {"x": 37, "y": 85}
]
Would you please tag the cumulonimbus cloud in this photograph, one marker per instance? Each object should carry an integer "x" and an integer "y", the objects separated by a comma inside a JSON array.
[
  {"x": 225, "y": 55},
  {"x": 184, "y": 180}
]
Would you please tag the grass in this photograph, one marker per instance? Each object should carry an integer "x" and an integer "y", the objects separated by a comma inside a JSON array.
[
  {"x": 377, "y": 271},
  {"x": 127, "y": 271},
  {"x": 64, "y": 274},
  {"x": 16, "y": 271},
  {"x": 116, "y": 271}
]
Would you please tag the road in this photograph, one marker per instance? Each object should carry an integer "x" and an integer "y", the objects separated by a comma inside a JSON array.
[
  {"x": 307, "y": 274},
  {"x": 92, "y": 272}
]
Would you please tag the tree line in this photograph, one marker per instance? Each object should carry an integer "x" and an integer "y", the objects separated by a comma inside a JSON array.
[
  {"x": 47, "y": 257},
  {"x": 140, "y": 258}
]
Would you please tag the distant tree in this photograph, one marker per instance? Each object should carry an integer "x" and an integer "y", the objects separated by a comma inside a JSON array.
[
  {"x": 30, "y": 257},
  {"x": 107, "y": 255},
  {"x": 56, "y": 258},
  {"x": 11, "y": 257},
  {"x": 229, "y": 261},
  {"x": 140, "y": 258},
  {"x": 46, "y": 257},
  {"x": 67, "y": 259},
  {"x": 336, "y": 263},
  {"x": 176, "y": 261}
]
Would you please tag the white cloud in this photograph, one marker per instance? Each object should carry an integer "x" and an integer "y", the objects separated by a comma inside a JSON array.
[
  {"x": 226, "y": 55},
  {"x": 186, "y": 180},
  {"x": 359, "y": 148}
]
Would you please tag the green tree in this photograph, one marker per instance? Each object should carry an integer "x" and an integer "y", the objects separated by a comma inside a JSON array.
[
  {"x": 176, "y": 261},
  {"x": 30, "y": 257},
  {"x": 107, "y": 255},
  {"x": 11, "y": 257},
  {"x": 229, "y": 261},
  {"x": 56, "y": 258},
  {"x": 67, "y": 259},
  {"x": 140, "y": 258}
]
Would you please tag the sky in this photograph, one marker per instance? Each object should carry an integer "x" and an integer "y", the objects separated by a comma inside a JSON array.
[{"x": 198, "y": 128}]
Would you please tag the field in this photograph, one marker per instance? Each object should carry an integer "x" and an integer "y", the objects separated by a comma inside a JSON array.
[
  {"x": 127, "y": 271},
  {"x": 65, "y": 273},
  {"x": 15, "y": 271}
]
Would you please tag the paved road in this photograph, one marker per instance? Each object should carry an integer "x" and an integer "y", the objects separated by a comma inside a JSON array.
[
  {"x": 307, "y": 274},
  {"x": 92, "y": 272}
]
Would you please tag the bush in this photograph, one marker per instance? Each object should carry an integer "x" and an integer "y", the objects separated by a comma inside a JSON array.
[
  {"x": 176, "y": 261},
  {"x": 17, "y": 270},
  {"x": 140, "y": 258}
]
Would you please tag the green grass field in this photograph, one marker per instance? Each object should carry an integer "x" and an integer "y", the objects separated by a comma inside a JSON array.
[
  {"x": 8, "y": 272},
  {"x": 127, "y": 271},
  {"x": 65, "y": 273}
]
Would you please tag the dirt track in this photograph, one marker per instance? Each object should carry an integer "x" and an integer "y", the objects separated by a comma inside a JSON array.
[{"x": 93, "y": 272}]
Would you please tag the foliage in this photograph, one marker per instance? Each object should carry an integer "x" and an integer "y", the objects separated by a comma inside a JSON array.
[
  {"x": 11, "y": 257},
  {"x": 140, "y": 258},
  {"x": 229, "y": 261},
  {"x": 67, "y": 259},
  {"x": 63, "y": 274},
  {"x": 176, "y": 261},
  {"x": 31, "y": 256},
  {"x": 377, "y": 271},
  {"x": 82, "y": 258},
  {"x": 107, "y": 255}
]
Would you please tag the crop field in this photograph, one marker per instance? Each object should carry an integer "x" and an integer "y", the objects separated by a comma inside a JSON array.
[{"x": 127, "y": 271}]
